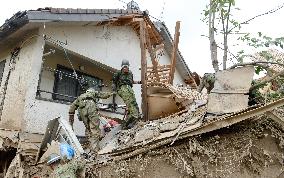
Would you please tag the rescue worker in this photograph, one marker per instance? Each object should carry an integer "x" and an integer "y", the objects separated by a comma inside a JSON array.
[
  {"x": 122, "y": 82},
  {"x": 66, "y": 166},
  {"x": 208, "y": 81},
  {"x": 86, "y": 104}
]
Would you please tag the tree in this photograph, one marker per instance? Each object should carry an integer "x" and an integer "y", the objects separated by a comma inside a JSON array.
[{"x": 220, "y": 12}]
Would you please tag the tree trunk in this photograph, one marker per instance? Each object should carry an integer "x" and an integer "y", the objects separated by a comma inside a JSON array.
[
  {"x": 226, "y": 33},
  {"x": 213, "y": 45}
]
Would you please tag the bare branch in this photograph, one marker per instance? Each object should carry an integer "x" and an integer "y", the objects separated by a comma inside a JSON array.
[
  {"x": 228, "y": 51},
  {"x": 266, "y": 13}
]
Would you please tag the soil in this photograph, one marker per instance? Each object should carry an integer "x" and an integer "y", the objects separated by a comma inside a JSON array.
[{"x": 250, "y": 149}]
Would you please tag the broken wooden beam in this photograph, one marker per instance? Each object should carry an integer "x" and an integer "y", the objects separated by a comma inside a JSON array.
[
  {"x": 174, "y": 52},
  {"x": 152, "y": 55},
  {"x": 143, "y": 69}
]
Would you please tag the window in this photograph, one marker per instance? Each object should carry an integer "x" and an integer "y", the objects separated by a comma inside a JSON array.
[
  {"x": 67, "y": 87},
  {"x": 2, "y": 66}
]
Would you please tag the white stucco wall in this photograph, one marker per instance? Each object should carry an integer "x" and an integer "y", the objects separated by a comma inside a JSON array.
[
  {"x": 20, "y": 83},
  {"x": 108, "y": 45}
]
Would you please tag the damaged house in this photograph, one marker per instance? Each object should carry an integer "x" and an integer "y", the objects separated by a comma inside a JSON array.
[{"x": 44, "y": 54}]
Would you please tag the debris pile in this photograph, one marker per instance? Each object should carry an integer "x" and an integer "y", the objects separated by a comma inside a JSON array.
[
  {"x": 249, "y": 149},
  {"x": 188, "y": 143},
  {"x": 150, "y": 131}
]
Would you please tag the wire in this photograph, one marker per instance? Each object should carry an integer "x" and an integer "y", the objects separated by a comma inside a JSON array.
[
  {"x": 74, "y": 71},
  {"x": 155, "y": 18},
  {"x": 122, "y": 1},
  {"x": 163, "y": 9}
]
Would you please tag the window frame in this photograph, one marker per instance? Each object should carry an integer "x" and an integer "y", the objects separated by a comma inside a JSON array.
[{"x": 55, "y": 95}]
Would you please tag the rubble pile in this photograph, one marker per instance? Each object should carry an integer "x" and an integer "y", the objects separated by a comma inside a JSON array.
[
  {"x": 162, "y": 148},
  {"x": 249, "y": 149},
  {"x": 8, "y": 139},
  {"x": 188, "y": 93},
  {"x": 150, "y": 131}
]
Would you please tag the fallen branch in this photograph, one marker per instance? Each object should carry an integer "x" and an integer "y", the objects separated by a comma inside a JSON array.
[{"x": 266, "y": 80}]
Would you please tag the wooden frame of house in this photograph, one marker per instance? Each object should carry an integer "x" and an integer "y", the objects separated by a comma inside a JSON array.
[{"x": 40, "y": 49}]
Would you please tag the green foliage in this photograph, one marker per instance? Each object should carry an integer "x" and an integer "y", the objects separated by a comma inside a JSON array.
[
  {"x": 258, "y": 69},
  {"x": 240, "y": 56},
  {"x": 225, "y": 24},
  {"x": 262, "y": 41},
  {"x": 266, "y": 55},
  {"x": 222, "y": 11}
]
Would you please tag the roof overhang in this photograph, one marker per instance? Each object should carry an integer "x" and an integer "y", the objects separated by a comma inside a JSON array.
[{"x": 20, "y": 26}]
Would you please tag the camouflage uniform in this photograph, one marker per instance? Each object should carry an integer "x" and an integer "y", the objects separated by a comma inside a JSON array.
[
  {"x": 208, "y": 81},
  {"x": 72, "y": 169},
  {"x": 86, "y": 104},
  {"x": 124, "y": 83}
]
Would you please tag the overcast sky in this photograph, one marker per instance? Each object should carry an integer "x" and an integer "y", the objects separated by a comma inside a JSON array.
[{"x": 194, "y": 47}]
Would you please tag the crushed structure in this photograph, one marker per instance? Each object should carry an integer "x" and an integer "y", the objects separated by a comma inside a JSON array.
[{"x": 184, "y": 133}]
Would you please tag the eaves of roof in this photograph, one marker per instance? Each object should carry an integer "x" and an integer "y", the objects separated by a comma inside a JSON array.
[
  {"x": 13, "y": 24},
  {"x": 61, "y": 15}
]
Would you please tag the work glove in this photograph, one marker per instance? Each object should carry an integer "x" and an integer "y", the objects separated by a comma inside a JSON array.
[{"x": 71, "y": 119}]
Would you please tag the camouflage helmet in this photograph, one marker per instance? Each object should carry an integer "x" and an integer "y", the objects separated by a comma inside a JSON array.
[{"x": 124, "y": 63}]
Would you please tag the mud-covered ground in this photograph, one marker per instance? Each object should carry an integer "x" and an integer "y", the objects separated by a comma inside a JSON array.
[{"x": 252, "y": 148}]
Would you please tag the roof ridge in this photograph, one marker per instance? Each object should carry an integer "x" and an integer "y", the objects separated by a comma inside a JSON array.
[{"x": 87, "y": 11}]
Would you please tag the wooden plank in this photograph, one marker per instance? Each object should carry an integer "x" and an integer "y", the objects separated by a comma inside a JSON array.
[
  {"x": 155, "y": 34},
  {"x": 136, "y": 27},
  {"x": 143, "y": 69},
  {"x": 167, "y": 72},
  {"x": 159, "y": 70},
  {"x": 160, "y": 66},
  {"x": 152, "y": 55},
  {"x": 174, "y": 52},
  {"x": 154, "y": 79},
  {"x": 158, "y": 47},
  {"x": 154, "y": 75}
]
